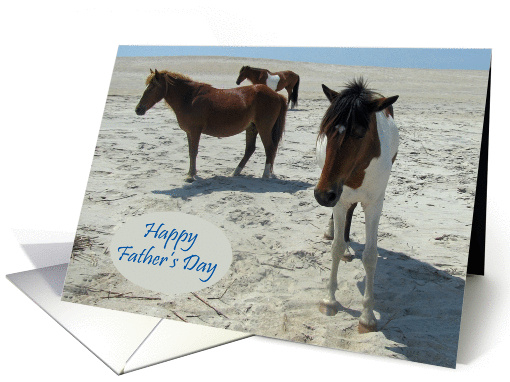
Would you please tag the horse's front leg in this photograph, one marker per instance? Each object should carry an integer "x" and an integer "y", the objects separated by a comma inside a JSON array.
[
  {"x": 367, "y": 321},
  {"x": 193, "y": 139},
  {"x": 330, "y": 231},
  {"x": 330, "y": 306}
]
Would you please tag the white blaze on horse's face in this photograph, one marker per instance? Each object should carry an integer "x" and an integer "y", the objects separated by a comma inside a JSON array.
[{"x": 272, "y": 81}]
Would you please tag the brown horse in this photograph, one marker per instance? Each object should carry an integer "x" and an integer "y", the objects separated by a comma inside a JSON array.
[
  {"x": 200, "y": 108},
  {"x": 277, "y": 81}
]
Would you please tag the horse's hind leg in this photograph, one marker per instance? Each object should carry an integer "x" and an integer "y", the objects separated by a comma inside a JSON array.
[
  {"x": 289, "y": 92},
  {"x": 251, "y": 138},
  {"x": 270, "y": 149},
  {"x": 348, "y": 222},
  {"x": 329, "y": 234},
  {"x": 330, "y": 305},
  {"x": 193, "y": 139},
  {"x": 270, "y": 126}
]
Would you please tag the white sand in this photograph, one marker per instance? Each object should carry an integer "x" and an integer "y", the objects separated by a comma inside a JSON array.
[{"x": 275, "y": 226}]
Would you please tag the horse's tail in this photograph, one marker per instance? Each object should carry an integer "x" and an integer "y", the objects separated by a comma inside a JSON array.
[
  {"x": 279, "y": 125},
  {"x": 294, "y": 95}
]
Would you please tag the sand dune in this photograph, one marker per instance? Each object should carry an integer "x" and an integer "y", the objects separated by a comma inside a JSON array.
[{"x": 281, "y": 260}]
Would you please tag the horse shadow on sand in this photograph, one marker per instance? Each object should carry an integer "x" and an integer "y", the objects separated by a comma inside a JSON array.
[
  {"x": 239, "y": 183},
  {"x": 420, "y": 306}
]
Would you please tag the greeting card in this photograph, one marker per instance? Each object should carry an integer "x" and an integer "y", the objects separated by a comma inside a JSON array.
[{"x": 322, "y": 196}]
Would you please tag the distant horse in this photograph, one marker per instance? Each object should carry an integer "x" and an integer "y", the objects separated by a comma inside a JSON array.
[
  {"x": 277, "y": 81},
  {"x": 356, "y": 148},
  {"x": 200, "y": 108}
]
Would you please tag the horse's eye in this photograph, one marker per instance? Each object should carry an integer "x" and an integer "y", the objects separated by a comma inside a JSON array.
[{"x": 358, "y": 132}]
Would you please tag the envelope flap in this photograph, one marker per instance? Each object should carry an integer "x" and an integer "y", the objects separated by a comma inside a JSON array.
[{"x": 111, "y": 335}]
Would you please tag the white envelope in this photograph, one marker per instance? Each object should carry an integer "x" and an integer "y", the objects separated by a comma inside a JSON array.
[{"x": 123, "y": 341}]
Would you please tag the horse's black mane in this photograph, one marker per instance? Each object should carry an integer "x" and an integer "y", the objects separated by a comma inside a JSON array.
[{"x": 349, "y": 107}]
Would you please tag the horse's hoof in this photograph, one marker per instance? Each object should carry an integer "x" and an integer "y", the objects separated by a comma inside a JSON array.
[
  {"x": 268, "y": 171},
  {"x": 329, "y": 308},
  {"x": 327, "y": 236},
  {"x": 189, "y": 179},
  {"x": 347, "y": 258},
  {"x": 237, "y": 171},
  {"x": 362, "y": 328},
  {"x": 270, "y": 176}
]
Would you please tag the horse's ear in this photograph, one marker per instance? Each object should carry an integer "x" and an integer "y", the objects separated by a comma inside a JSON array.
[
  {"x": 383, "y": 103},
  {"x": 330, "y": 94},
  {"x": 157, "y": 75},
  {"x": 151, "y": 71}
]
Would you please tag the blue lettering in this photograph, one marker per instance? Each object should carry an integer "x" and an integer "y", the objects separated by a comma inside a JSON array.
[
  {"x": 188, "y": 259},
  {"x": 123, "y": 253},
  {"x": 173, "y": 236},
  {"x": 163, "y": 259},
  {"x": 132, "y": 257},
  {"x": 210, "y": 270},
  {"x": 174, "y": 261},
  {"x": 191, "y": 238},
  {"x": 148, "y": 259},
  {"x": 150, "y": 229}
]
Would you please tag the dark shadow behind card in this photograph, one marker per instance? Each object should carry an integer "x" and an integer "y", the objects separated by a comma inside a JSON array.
[{"x": 476, "y": 259}]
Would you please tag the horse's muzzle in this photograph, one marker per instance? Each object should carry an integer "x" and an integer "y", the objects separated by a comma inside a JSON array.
[
  {"x": 238, "y": 82},
  {"x": 140, "y": 110},
  {"x": 327, "y": 198}
]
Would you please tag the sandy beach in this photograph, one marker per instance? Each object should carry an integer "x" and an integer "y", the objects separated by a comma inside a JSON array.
[{"x": 275, "y": 226}]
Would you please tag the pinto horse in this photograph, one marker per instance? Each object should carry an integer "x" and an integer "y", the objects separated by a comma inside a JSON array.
[
  {"x": 356, "y": 148},
  {"x": 200, "y": 108},
  {"x": 277, "y": 81}
]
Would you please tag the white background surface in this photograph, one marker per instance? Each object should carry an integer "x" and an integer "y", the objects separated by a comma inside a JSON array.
[{"x": 56, "y": 62}]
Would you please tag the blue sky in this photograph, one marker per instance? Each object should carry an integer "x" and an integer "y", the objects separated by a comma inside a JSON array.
[{"x": 473, "y": 59}]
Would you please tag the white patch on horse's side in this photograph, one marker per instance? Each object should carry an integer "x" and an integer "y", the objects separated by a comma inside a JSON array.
[{"x": 272, "y": 81}]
